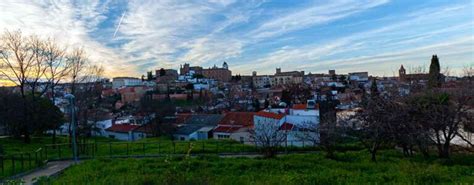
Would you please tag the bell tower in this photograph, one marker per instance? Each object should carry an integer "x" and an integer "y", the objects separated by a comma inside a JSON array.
[{"x": 402, "y": 73}]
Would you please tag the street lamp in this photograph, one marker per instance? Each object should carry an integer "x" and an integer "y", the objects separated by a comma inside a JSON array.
[{"x": 71, "y": 98}]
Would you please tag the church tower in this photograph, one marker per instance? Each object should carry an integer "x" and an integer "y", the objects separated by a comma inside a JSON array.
[
  {"x": 225, "y": 66},
  {"x": 402, "y": 73}
]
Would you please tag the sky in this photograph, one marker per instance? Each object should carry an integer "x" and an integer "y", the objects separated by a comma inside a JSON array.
[{"x": 129, "y": 38}]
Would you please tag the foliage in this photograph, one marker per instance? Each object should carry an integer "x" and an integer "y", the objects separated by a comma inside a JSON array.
[
  {"x": 43, "y": 115},
  {"x": 434, "y": 79},
  {"x": 349, "y": 167}
]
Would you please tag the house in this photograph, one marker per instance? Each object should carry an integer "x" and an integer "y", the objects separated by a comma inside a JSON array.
[
  {"x": 124, "y": 132},
  {"x": 197, "y": 127},
  {"x": 297, "y": 124},
  {"x": 101, "y": 126},
  {"x": 235, "y": 126}
]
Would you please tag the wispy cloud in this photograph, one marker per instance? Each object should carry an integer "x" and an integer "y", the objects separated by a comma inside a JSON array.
[
  {"x": 373, "y": 35},
  {"x": 408, "y": 41},
  {"x": 318, "y": 13}
]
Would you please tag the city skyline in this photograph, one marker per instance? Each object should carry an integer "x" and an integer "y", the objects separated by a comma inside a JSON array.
[{"x": 130, "y": 38}]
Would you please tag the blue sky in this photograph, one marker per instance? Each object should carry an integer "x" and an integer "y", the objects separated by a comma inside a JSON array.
[{"x": 255, "y": 35}]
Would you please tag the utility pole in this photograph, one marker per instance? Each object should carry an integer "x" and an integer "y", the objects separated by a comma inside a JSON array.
[{"x": 73, "y": 122}]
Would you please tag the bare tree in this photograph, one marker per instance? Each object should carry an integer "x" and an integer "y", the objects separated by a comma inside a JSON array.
[
  {"x": 17, "y": 60},
  {"x": 268, "y": 136},
  {"x": 22, "y": 60},
  {"x": 468, "y": 72},
  {"x": 78, "y": 62},
  {"x": 58, "y": 67},
  {"x": 374, "y": 123},
  {"x": 88, "y": 100}
]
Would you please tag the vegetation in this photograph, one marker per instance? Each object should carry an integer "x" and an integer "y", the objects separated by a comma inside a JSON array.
[{"x": 349, "y": 167}]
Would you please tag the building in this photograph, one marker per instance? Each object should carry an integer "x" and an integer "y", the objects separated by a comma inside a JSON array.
[
  {"x": 197, "y": 127},
  {"x": 359, "y": 76},
  {"x": 166, "y": 75},
  {"x": 297, "y": 124},
  {"x": 132, "y": 94},
  {"x": 262, "y": 81},
  {"x": 235, "y": 126},
  {"x": 124, "y": 132},
  {"x": 186, "y": 69},
  {"x": 222, "y": 74},
  {"x": 119, "y": 82},
  {"x": 285, "y": 78},
  {"x": 416, "y": 77}
]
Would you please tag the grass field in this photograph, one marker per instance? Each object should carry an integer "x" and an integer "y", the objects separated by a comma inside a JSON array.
[
  {"x": 20, "y": 157},
  {"x": 348, "y": 167}
]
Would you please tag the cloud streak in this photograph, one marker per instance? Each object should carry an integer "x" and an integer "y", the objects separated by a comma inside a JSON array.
[{"x": 252, "y": 35}]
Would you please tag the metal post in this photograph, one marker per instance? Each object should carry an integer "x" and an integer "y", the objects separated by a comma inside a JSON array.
[
  {"x": 73, "y": 124},
  {"x": 159, "y": 148}
]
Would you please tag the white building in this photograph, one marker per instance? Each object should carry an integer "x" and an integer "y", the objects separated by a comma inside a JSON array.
[
  {"x": 119, "y": 82},
  {"x": 297, "y": 124}
]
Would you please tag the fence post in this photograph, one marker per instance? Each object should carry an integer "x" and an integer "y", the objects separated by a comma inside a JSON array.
[
  {"x": 127, "y": 149},
  {"x": 13, "y": 164},
  {"x": 45, "y": 153},
  {"x": 22, "y": 162},
  {"x": 36, "y": 158},
  {"x": 29, "y": 160},
  {"x": 3, "y": 166},
  {"x": 174, "y": 147},
  {"x": 203, "y": 147},
  {"x": 189, "y": 147},
  {"x": 59, "y": 151},
  {"x": 159, "y": 148}
]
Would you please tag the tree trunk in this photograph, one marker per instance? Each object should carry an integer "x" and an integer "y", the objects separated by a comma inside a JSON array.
[
  {"x": 26, "y": 137},
  {"x": 373, "y": 152},
  {"x": 444, "y": 152}
]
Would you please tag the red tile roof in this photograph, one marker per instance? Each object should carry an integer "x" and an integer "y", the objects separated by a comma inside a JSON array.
[
  {"x": 286, "y": 126},
  {"x": 238, "y": 118},
  {"x": 122, "y": 128},
  {"x": 272, "y": 115},
  {"x": 148, "y": 128},
  {"x": 182, "y": 117},
  {"x": 299, "y": 106},
  {"x": 226, "y": 129}
]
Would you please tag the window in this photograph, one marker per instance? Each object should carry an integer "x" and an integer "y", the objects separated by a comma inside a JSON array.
[{"x": 222, "y": 136}]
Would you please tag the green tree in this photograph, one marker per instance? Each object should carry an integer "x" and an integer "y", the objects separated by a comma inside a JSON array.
[
  {"x": 162, "y": 72},
  {"x": 434, "y": 79},
  {"x": 374, "y": 91}
]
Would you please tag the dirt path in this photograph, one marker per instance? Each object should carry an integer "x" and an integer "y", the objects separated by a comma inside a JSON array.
[{"x": 52, "y": 168}]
